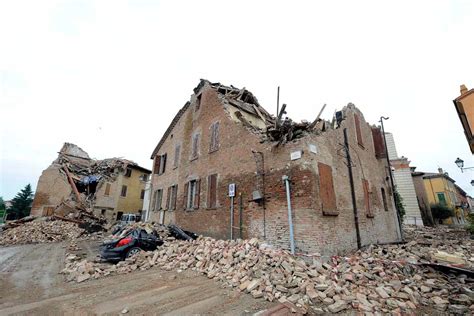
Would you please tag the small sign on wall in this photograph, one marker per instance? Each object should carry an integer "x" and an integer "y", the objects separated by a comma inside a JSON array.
[
  {"x": 232, "y": 190},
  {"x": 296, "y": 155},
  {"x": 313, "y": 148}
]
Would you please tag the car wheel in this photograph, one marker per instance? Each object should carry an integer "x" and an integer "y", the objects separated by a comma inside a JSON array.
[{"x": 132, "y": 252}]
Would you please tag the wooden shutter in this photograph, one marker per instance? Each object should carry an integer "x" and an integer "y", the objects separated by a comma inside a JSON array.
[
  {"x": 365, "y": 185},
  {"x": 378, "y": 143},
  {"x": 175, "y": 196},
  {"x": 214, "y": 144},
  {"x": 168, "y": 198},
  {"x": 358, "y": 131},
  {"x": 212, "y": 188},
  {"x": 326, "y": 190},
  {"x": 157, "y": 164},
  {"x": 164, "y": 163},
  {"x": 185, "y": 195},
  {"x": 176, "y": 155},
  {"x": 197, "y": 193}
]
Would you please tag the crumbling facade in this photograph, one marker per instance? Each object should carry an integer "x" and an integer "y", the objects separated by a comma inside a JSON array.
[
  {"x": 223, "y": 136},
  {"x": 99, "y": 188}
]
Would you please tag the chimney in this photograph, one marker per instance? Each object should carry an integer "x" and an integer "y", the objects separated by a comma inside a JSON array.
[
  {"x": 440, "y": 170},
  {"x": 463, "y": 89}
]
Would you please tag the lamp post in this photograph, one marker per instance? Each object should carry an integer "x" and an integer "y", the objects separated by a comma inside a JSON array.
[
  {"x": 460, "y": 163},
  {"x": 391, "y": 177}
]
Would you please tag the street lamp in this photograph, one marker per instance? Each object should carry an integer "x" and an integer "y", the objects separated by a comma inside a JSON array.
[
  {"x": 472, "y": 183},
  {"x": 460, "y": 163}
]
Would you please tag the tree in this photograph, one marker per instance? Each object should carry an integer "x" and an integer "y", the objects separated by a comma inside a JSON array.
[
  {"x": 441, "y": 211},
  {"x": 21, "y": 203},
  {"x": 399, "y": 204},
  {"x": 2, "y": 204}
]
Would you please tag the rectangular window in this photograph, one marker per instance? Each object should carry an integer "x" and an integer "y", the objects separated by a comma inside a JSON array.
[
  {"x": 102, "y": 212},
  {"x": 212, "y": 191},
  {"x": 326, "y": 190},
  {"x": 384, "y": 199},
  {"x": 158, "y": 196},
  {"x": 124, "y": 191},
  {"x": 214, "y": 142},
  {"x": 142, "y": 194},
  {"x": 107, "y": 189},
  {"x": 162, "y": 168},
  {"x": 441, "y": 198},
  {"x": 365, "y": 185},
  {"x": 172, "y": 197},
  {"x": 195, "y": 148},
  {"x": 144, "y": 177},
  {"x": 198, "y": 103},
  {"x": 156, "y": 168},
  {"x": 358, "y": 130},
  {"x": 177, "y": 151},
  {"x": 128, "y": 172},
  {"x": 192, "y": 199}
]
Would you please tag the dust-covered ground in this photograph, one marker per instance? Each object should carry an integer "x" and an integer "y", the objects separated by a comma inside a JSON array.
[{"x": 30, "y": 283}]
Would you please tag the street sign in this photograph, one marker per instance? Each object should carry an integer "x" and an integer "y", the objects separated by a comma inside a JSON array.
[{"x": 232, "y": 190}]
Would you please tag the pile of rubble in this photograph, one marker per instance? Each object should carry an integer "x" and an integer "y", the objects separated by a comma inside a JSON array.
[
  {"x": 40, "y": 231},
  {"x": 377, "y": 279}
]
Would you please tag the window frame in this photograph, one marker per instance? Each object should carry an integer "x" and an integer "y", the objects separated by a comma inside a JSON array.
[
  {"x": 214, "y": 139},
  {"x": 195, "y": 140},
  {"x": 124, "y": 189}
]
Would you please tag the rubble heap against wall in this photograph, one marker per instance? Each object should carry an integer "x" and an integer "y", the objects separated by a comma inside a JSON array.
[{"x": 382, "y": 279}]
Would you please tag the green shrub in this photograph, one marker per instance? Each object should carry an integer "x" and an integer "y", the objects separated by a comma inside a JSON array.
[
  {"x": 470, "y": 220},
  {"x": 441, "y": 211}
]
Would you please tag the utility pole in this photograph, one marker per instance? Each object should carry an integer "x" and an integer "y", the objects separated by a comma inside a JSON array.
[{"x": 351, "y": 182}]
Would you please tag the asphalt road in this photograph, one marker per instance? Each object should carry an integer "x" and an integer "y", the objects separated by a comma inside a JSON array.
[{"x": 30, "y": 283}]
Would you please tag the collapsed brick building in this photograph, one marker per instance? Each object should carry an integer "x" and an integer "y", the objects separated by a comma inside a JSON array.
[
  {"x": 75, "y": 184},
  {"x": 223, "y": 136}
]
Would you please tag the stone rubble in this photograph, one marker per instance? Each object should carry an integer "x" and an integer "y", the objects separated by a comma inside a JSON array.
[
  {"x": 377, "y": 279},
  {"x": 40, "y": 232},
  {"x": 44, "y": 230}
]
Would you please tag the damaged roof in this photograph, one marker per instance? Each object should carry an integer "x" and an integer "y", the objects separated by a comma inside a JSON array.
[{"x": 276, "y": 129}]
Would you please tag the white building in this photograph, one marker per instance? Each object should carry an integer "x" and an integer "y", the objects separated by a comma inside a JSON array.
[{"x": 404, "y": 183}]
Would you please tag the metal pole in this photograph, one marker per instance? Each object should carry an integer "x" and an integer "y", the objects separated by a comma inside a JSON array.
[
  {"x": 290, "y": 220},
  {"x": 231, "y": 217},
  {"x": 241, "y": 206},
  {"x": 351, "y": 182},
  {"x": 391, "y": 177},
  {"x": 278, "y": 101}
]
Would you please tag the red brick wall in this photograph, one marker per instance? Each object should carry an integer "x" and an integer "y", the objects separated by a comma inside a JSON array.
[{"x": 234, "y": 162}]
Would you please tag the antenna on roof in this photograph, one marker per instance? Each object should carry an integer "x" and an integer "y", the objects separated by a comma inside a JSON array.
[{"x": 278, "y": 104}]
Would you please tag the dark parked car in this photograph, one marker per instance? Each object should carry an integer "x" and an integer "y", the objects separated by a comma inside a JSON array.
[{"x": 131, "y": 243}]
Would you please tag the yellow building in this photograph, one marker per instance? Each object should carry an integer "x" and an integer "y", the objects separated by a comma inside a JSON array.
[
  {"x": 124, "y": 195},
  {"x": 440, "y": 189},
  {"x": 465, "y": 107}
]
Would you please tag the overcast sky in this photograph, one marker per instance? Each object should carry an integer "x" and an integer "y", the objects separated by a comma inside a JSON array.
[{"x": 110, "y": 75}]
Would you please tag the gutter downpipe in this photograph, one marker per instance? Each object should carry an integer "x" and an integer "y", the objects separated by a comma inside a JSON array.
[
  {"x": 351, "y": 182},
  {"x": 391, "y": 179},
  {"x": 290, "y": 220}
]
